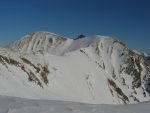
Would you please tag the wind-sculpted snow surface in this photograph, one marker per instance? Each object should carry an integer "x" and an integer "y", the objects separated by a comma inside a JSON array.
[
  {"x": 95, "y": 70},
  {"x": 18, "y": 105}
]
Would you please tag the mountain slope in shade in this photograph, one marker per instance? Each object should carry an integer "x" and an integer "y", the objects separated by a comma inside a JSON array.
[{"x": 98, "y": 69}]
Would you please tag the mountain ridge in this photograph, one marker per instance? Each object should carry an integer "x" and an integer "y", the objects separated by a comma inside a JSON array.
[{"x": 39, "y": 39}]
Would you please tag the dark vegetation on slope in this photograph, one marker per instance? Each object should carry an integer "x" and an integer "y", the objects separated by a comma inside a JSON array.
[
  {"x": 121, "y": 95},
  {"x": 33, "y": 77},
  {"x": 43, "y": 70}
]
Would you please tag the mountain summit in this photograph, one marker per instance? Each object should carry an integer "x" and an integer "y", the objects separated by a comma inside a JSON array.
[
  {"x": 39, "y": 41},
  {"x": 98, "y": 69}
]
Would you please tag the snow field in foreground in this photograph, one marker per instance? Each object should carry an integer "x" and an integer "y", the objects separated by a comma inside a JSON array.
[{"x": 18, "y": 105}]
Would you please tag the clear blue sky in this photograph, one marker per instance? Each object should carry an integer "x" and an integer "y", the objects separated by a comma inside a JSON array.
[{"x": 129, "y": 20}]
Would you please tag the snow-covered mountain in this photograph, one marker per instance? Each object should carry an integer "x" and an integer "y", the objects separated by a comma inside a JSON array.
[{"x": 96, "y": 70}]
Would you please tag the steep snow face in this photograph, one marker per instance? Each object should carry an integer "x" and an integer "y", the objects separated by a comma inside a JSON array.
[{"x": 98, "y": 69}]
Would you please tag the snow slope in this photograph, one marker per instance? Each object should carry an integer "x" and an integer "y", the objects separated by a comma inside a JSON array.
[
  {"x": 96, "y": 70},
  {"x": 18, "y": 105}
]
